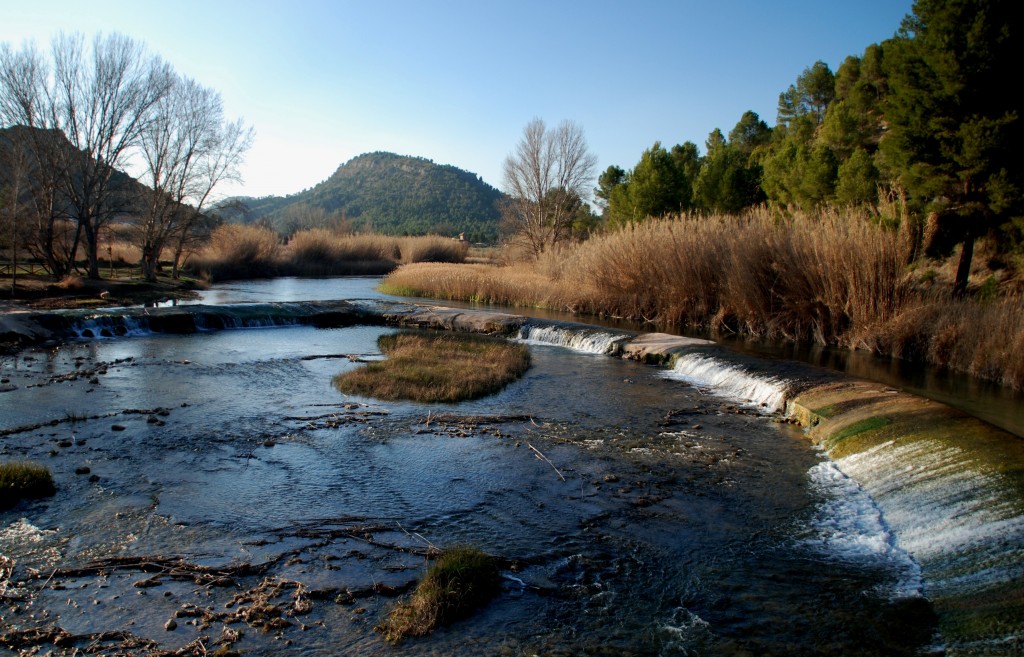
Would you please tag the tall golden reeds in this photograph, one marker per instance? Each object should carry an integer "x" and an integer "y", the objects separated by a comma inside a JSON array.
[
  {"x": 834, "y": 277},
  {"x": 237, "y": 251}
]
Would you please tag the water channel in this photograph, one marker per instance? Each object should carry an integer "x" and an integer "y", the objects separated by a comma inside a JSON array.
[{"x": 220, "y": 481}]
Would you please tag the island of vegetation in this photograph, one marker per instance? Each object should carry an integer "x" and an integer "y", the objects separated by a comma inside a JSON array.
[
  {"x": 20, "y": 481},
  {"x": 437, "y": 367},
  {"x": 460, "y": 580}
]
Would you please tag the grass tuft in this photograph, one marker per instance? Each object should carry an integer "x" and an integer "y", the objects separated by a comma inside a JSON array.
[
  {"x": 443, "y": 367},
  {"x": 20, "y": 481},
  {"x": 460, "y": 581}
]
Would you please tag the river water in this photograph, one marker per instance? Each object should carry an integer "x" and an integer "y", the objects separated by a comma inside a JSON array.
[{"x": 219, "y": 480}]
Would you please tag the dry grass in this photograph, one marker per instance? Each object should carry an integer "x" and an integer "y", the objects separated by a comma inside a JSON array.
[
  {"x": 237, "y": 251},
  {"x": 121, "y": 252},
  {"x": 442, "y": 367},
  {"x": 984, "y": 339},
  {"x": 432, "y": 248},
  {"x": 460, "y": 581},
  {"x": 832, "y": 277},
  {"x": 24, "y": 481},
  {"x": 320, "y": 252}
]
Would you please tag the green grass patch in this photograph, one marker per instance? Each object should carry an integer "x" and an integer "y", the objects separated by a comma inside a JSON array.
[
  {"x": 867, "y": 424},
  {"x": 826, "y": 411},
  {"x": 461, "y": 580},
  {"x": 442, "y": 367},
  {"x": 24, "y": 481}
]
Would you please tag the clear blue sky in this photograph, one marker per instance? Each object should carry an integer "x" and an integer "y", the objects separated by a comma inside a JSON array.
[{"x": 323, "y": 81}]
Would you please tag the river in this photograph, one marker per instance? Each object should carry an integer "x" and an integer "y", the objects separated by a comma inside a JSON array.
[{"x": 218, "y": 480}]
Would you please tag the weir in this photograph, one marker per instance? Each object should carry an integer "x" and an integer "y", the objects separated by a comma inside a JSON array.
[{"x": 949, "y": 488}]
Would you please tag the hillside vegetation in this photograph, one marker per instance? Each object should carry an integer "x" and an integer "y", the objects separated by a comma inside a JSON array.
[{"x": 384, "y": 193}]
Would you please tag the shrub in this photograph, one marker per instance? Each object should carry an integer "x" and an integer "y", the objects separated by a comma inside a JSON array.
[
  {"x": 459, "y": 582},
  {"x": 24, "y": 481}
]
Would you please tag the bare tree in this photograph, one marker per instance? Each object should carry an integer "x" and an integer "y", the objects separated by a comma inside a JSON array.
[
  {"x": 227, "y": 147},
  {"x": 14, "y": 169},
  {"x": 188, "y": 150},
  {"x": 101, "y": 101},
  {"x": 25, "y": 107},
  {"x": 98, "y": 99},
  {"x": 545, "y": 177}
]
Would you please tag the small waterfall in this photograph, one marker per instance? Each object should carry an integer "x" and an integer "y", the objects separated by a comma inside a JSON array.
[
  {"x": 110, "y": 326},
  {"x": 850, "y": 526},
  {"x": 962, "y": 523},
  {"x": 731, "y": 380},
  {"x": 579, "y": 338},
  {"x": 77, "y": 324}
]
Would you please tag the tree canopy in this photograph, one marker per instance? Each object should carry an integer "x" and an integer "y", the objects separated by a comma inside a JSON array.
[{"x": 925, "y": 115}]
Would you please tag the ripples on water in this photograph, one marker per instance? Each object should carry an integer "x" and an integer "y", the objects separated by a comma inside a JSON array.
[{"x": 686, "y": 523}]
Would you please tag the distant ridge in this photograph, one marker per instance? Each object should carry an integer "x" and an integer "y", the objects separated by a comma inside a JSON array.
[{"x": 390, "y": 194}]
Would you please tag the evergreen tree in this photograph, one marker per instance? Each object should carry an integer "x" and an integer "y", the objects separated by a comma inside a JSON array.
[
  {"x": 653, "y": 188},
  {"x": 954, "y": 134},
  {"x": 813, "y": 92},
  {"x": 730, "y": 179}
]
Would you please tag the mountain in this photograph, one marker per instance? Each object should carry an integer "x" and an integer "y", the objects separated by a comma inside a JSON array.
[{"x": 386, "y": 193}]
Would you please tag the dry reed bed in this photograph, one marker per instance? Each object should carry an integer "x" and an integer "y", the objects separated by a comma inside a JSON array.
[
  {"x": 835, "y": 278},
  {"x": 239, "y": 251}
]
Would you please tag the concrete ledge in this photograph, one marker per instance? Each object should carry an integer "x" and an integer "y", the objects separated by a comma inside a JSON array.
[{"x": 661, "y": 348}]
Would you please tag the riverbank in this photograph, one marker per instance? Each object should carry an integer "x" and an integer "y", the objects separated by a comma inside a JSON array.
[
  {"x": 827, "y": 278},
  {"x": 41, "y": 292}
]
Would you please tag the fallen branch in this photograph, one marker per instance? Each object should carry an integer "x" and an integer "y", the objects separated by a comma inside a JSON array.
[{"x": 541, "y": 456}]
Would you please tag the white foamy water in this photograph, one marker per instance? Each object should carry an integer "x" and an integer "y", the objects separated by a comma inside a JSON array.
[
  {"x": 728, "y": 380},
  {"x": 105, "y": 326},
  {"x": 22, "y": 532},
  {"x": 847, "y": 525},
  {"x": 583, "y": 340},
  {"x": 954, "y": 518},
  {"x": 21, "y": 541}
]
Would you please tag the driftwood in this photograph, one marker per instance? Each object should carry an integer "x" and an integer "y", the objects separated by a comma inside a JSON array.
[{"x": 538, "y": 454}]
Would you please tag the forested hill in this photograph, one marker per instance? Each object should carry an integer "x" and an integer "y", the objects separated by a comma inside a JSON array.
[{"x": 385, "y": 193}]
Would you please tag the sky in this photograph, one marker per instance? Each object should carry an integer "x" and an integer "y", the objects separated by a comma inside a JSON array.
[{"x": 456, "y": 82}]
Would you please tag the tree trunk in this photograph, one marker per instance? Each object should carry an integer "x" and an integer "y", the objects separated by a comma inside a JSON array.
[
  {"x": 92, "y": 249},
  {"x": 963, "y": 270},
  {"x": 150, "y": 262}
]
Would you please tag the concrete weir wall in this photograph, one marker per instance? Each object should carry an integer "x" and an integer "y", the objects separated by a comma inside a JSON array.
[{"x": 949, "y": 486}]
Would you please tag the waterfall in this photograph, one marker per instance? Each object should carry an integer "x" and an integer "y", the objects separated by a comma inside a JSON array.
[
  {"x": 78, "y": 324},
  {"x": 731, "y": 380},
  {"x": 849, "y": 525},
  {"x": 109, "y": 326},
  {"x": 962, "y": 523},
  {"x": 579, "y": 338}
]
